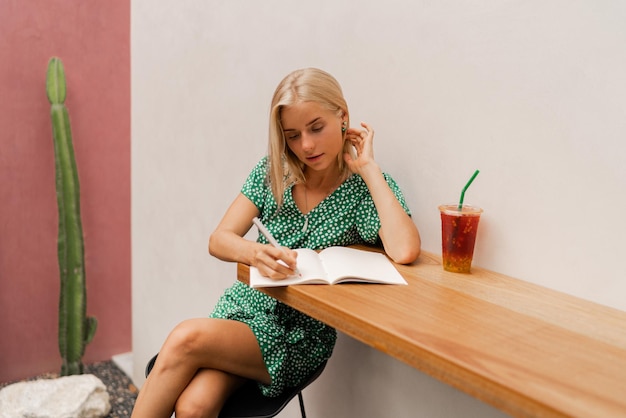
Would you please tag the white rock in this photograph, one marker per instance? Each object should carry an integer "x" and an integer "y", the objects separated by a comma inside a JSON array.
[{"x": 79, "y": 396}]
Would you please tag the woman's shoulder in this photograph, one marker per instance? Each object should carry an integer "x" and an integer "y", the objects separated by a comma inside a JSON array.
[
  {"x": 260, "y": 169},
  {"x": 262, "y": 164},
  {"x": 356, "y": 181},
  {"x": 355, "y": 185},
  {"x": 257, "y": 182}
]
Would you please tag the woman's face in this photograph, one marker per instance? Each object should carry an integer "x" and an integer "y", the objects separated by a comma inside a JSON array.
[{"x": 313, "y": 134}]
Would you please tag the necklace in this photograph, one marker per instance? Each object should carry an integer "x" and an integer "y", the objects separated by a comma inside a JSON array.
[
  {"x": 306, "y": 215},
  {"x": 306, "y": 201}
]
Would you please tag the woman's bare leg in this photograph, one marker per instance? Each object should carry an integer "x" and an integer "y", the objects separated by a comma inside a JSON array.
[
  {"x": 205, "y": 395},
  {"x": 195, "y": 344}
]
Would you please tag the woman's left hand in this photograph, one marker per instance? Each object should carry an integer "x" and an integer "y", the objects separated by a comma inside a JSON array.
[
  {"x": 363, "y": 142},
  {"x": 398, "y": 233}
]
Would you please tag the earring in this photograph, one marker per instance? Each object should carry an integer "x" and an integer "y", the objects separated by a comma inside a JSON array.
[{"x": 344, "y": 126}]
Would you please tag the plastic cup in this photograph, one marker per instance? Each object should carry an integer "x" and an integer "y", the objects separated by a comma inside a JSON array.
[{"x": 458, "y": 236}]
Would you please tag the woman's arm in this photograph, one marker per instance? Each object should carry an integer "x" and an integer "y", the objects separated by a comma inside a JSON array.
[
  {"x": 227, "y": 242},
  {"x": 398, "y": 233}
]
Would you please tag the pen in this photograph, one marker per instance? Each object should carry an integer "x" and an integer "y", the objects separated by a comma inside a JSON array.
[{"x": 263, "y": 230}]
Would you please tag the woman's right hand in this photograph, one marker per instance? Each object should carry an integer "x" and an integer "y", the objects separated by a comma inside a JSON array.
[
  {"x": 275, "y": 263},
  {"x": 227, "y": 243}
]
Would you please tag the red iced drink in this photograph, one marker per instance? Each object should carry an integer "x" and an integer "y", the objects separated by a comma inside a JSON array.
[{"x": 458, "y": 236}]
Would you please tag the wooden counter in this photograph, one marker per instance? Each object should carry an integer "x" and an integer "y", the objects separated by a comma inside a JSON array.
[{"x": 525, "y": 349}]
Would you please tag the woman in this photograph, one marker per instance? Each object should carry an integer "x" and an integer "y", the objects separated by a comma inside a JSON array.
[{"x": 319, "y": 186}]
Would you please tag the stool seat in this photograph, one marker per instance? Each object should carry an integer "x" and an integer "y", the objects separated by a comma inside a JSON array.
[{"x": 249, "y": 402}]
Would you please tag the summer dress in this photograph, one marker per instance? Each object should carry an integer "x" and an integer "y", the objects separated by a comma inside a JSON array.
[{"x": 292, "y": 343}]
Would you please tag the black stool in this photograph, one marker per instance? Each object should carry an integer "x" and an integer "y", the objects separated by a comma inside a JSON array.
[{"x": 249, "y": 402}]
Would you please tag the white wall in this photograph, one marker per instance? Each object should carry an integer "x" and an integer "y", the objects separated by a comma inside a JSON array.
[{"x": 532, "y": 93}]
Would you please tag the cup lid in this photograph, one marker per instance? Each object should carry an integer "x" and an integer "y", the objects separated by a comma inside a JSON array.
[{"x": 466, "y": 210}]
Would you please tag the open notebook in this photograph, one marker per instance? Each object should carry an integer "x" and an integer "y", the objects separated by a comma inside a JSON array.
[{"x": 335, "y": 265}]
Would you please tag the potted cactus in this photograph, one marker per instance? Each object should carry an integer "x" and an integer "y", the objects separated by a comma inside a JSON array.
[{"x": 76, "y": 330}]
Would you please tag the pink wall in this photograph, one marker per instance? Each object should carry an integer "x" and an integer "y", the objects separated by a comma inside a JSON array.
[{"x": 93, "y": 40}]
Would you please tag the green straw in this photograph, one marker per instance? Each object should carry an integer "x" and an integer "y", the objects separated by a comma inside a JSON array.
[{"x": 465, "y": 188}]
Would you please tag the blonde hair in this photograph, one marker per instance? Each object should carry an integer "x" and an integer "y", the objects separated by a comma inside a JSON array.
[{"x": 304, "y": 85}]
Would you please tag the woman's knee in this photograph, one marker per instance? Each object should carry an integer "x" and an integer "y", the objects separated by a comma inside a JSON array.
[
  {"x": 182, "y": 342},
  {"x": 185, "y": 335}
]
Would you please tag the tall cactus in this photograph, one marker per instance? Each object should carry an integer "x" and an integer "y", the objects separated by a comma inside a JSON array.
[{"x": 75, "y": 329}]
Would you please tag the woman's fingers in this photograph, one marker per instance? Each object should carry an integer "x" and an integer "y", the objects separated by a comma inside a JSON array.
[
  {"x": 368, "y": 129},
  {"x": 357, "y": 136},
  {"x": 362, "y": 141},
  {"x": 276, "y": 263}
]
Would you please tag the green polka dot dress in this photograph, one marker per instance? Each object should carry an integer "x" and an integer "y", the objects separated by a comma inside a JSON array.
[{"x": 294, "y": 344}]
